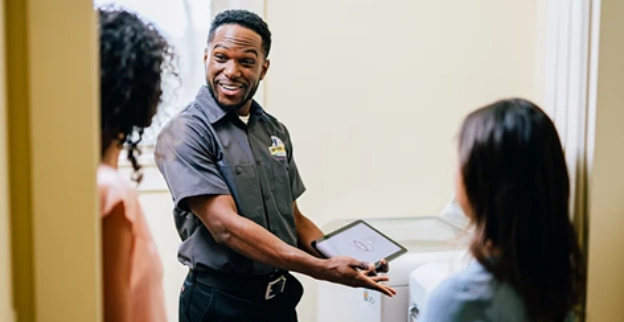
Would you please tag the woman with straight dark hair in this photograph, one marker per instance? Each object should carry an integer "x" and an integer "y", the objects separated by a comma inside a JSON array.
[{"x": 513, "y": 185}]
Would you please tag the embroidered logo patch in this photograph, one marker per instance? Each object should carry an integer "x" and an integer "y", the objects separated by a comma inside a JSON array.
[{"x": 277, "y": 148}]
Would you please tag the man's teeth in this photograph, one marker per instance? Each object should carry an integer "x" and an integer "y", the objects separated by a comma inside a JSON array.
[{"x": 230, "y": 88}]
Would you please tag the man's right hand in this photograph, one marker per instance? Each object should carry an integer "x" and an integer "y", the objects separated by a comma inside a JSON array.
[{"x": 351, "y": 272}]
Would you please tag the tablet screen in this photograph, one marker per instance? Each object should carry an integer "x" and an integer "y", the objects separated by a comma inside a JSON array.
[{"x": 361, "y": 242}]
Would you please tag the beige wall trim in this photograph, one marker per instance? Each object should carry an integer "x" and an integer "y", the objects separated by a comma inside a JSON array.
[
  {"x": 7, "y": 312},
  {"x": 53, "y": 144},
  {"x": 19, "y": 159},
  {"x": 64, "y": 138},
  {"x": 606, "y": 176}
]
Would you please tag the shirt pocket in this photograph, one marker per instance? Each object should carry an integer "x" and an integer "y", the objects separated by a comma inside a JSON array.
[
  {"x": 282, "y": 188},
  {"x": 245, "y": 189}
]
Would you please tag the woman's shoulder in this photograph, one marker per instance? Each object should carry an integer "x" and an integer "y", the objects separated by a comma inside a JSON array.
[
  {"x": 114, "y": 191},
  {"x": 473, "y": 294},
  {"x": 473, "y": 284}
]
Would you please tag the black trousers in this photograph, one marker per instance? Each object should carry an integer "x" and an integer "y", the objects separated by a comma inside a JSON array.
[{"x": 203, "y": 303}]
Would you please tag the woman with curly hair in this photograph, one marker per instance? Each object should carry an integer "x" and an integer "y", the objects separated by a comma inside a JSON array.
[{"x": 133, "y": 56}]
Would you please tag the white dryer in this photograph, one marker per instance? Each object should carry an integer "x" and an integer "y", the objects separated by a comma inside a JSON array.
[{"x": 428, "y": 239}]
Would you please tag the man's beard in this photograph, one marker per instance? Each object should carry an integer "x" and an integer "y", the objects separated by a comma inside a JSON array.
[{"x": 250, "y": 94}]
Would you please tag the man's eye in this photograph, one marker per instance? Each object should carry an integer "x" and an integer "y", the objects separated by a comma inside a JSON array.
[
  {"x": 219, "y": 57},
  {"x": 249, "y": 61}
]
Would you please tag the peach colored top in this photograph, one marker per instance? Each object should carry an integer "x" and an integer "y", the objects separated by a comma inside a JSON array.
[{"x": 146, "y": 296}]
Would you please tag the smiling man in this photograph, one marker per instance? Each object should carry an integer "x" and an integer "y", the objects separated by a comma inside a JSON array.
[{"x": 230, "y": 168}]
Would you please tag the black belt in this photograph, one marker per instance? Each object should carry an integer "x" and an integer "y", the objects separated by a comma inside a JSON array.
[{"x": 256, "y": 288}]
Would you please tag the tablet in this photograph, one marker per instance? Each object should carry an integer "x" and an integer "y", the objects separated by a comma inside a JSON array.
[{"x": 360, "y": 241}]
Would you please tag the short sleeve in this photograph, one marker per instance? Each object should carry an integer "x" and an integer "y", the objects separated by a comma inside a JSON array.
[
  {"x": 183, "y": 156},
  {"x": 296, "y": 183},
  {"x": 450, "y": 303}
]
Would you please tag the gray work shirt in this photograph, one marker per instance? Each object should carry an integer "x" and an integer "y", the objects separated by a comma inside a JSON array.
[{"x": 206, "y": 150}]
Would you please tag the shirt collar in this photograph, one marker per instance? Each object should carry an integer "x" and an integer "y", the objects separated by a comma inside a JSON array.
[{"x": 215, "y": 112}]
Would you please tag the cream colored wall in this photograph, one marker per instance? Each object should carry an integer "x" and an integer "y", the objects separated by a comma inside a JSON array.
[
  {"x": 373, "y": 93},
  {"x": 6, "y": 283},
  {"x": 606, "y": 179}
]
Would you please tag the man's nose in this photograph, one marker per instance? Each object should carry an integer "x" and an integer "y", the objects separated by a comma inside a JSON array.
[{"x": 232, "y": 70}]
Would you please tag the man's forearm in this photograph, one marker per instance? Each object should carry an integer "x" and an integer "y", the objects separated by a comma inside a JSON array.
[
  {"x": 307, "y": 232},
  {"x": 250, "y": 239},
  {"x": 254, "y": 242}
]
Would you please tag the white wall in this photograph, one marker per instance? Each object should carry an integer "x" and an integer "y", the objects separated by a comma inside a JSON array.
[{"x": 373, "y": 93}]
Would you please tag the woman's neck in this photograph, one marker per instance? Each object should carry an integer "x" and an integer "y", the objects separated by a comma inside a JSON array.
[{"x": 111, "y": 155}]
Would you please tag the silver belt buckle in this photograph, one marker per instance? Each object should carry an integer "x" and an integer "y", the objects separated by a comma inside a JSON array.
[{"x": 279, "y": 284}]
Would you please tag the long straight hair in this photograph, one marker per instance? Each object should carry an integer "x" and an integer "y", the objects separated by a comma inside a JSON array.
[{"x": 516, "y": 181}]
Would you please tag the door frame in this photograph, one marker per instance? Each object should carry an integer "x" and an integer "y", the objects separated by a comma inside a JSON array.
[
  {"x": 7, "y": 311},
  {"x": 53, "y": 153}
]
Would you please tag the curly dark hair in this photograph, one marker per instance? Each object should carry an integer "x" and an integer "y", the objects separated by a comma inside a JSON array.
[
  {"x": 133, "y": 58},
  {"x": 245, "y": 19}
]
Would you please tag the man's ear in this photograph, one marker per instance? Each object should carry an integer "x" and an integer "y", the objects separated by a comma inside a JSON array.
[
  {"x": 265, "y": 68},
  {"x": 205, "y": 55}
]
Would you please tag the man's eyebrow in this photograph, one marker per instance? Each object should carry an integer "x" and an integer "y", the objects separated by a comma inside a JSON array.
[
  {"x": 251, "y": 50},
  {"x": 220, "y": 46}
]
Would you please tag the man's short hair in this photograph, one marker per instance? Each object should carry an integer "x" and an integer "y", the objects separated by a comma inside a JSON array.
[{"x": 245, "y": 19}]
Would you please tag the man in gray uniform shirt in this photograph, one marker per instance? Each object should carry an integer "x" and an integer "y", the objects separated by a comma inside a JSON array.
[{"x": 230, "y": 168}]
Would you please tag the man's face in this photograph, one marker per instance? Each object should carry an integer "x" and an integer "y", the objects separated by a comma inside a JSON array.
[{"x": 235, "y": 65}]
